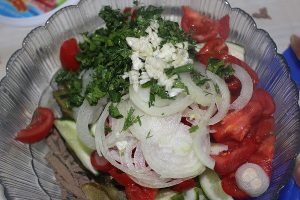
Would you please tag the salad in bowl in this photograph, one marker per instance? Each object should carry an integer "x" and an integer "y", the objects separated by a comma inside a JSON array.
[{"x": 151, "y": 108}]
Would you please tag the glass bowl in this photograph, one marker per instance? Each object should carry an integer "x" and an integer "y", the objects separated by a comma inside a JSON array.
[{"x": 25, "y": 174}]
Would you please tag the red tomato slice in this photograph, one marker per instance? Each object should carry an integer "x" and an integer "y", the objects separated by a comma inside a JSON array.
[
  {"x": 100, "y": 163},
  {"x": 215, "y": 48},
  {"x": 237, "y": 124},
  {"x": 121, "y": 177},
  {"x": 201, "y": 27},
  {"x": 233, "y": 60},
  {"x": 234, "y": 85},
  {"x": 230, "y": 187},
  {"x": 185, "y": 185},
  {"x": 223, "y": 27},
  {"x": 266, "y": 100},
  {"x": 39, "y": 128},
  {"x": 264, "y": 155},
  {"x": 264, "y": 128},
  {"x": 228, "y": 162},
  {"x": 131, "y": 12},
  {"x": 137, "y": 192},
  {"x": 68, "y": 52}
]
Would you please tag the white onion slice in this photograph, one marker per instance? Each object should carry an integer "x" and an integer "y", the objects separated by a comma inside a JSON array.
[
  {"x": 144, "y": 176},
  {"x": 47, "y": 100},
  {"x": 86, "y": 115},
  {"x": 224, "y": 103},
  {"x": 246, "y": 90},
  {"x": 197, "y": 94},
  {"x": 173, "y": 155},
  {"x": 216, "y": 148},
  {"x": 177, "y": 105},
  {"x": 201, "y": 144}
]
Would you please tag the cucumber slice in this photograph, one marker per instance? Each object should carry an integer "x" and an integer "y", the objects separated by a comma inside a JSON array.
[
  {"x": 165, "y": 194},
  {"x": 211, "y": 185},
  {"x": 236, "y": 50},
  {"x": 67, "y": 130},
  {"x": 195, "y": 193}
]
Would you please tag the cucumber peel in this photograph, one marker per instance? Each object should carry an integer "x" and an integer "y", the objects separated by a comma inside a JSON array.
[
  {"x": 67, "y": 130},
  {"x": 211, "y": 185}
]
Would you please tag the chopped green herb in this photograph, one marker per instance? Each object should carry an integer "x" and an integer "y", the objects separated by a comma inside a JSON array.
[
  {"x": 178, "y": 196},
  {"x": 220, "y": 68},
  {"x": 107, "y": 129},
  {"x": 198, "y": 78},
  {"x": 149, "y": 135},
  {"x": 106, "y": 53},
  {"x": 156, "y": 90},
  {"x": 193, "y": 128},
  {"x": 131, "y": 119},
  {"x": 180, "y": 84},
  {"x": 217, "y": 89},
  {"x": 114, "y": 111},
  {"x": 184, "y": 68}
]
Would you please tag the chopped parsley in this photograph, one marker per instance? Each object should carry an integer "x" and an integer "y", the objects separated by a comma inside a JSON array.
[
  {"x": 219, "y": 67},
  {"x": 114, "y": 111},
  {"x": 106, "y": 53},
  {"x": 198, "y": 78},
  {"x": 131, "y": 119},
  {"x": 155, "y": 90},
  {"x": 149, "y": 135},
  {"x": 184, "y": 68},
  {"x": 193, "y": 128}
]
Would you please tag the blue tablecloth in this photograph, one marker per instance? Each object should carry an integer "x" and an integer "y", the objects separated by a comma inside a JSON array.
[{"x": 291, "y": 191}]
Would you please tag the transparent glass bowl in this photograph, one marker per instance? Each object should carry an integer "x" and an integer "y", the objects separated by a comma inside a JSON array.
[{"x": 24, "y": 172}]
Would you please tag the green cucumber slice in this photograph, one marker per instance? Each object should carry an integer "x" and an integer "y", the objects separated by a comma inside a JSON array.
[
  {"x": 211, "y": 185},
  {"x": 67, "y": 130}
]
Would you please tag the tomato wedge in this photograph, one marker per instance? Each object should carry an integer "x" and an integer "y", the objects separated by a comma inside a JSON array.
[
  {"x": 100, "y": 163},
  {"x": 230, "y": 187},
  {"x": 228, "y": 162},
  {"x": 39, "y": 128},
  {"x": 215, "y": 48},
  {"x": 185, "y": 185},
  {"x": 68, "y": 52},
  {"x": 223, "y": 27},
  {"x": 264, "y": 155},
  {"x": 201, "y": 27},
  {"x": 137, "y": 192},
  {"x": 264, "y": 128},
  {"x": 133, "y": 190},
  {"x": 237, "y": 124},
  {"x": 265, "y": 99}
]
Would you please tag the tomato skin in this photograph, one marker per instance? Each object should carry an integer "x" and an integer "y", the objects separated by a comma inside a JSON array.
[
  {"x": 201, "y": 27},
  {"x": 229, "y": 161},
  {"x": 68, "y": 52},
  {"x": 264, "y": 155},
  {"x": 133, "y": 190},
  {"x": 136, "y": 192},
  {"x": 237, "y": 124},
  {"x": 264, "y": 128},
  {"x": 230, "y": 187},
  {"x": 215, "y": 48},
  {"x": 265, "y": 100},
  {"x": 132, "y": 13},
  {"x": 39, "y": 128},
  {"x": 100, "y": 163},
  {"x": 223, "y": 27},
  {"x": 234, "y": 85},
  {"x": 185, "y": 185},
  {"x": 121, "y": 177}
]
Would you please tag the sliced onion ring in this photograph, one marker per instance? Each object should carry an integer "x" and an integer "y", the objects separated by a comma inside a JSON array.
[
  {"x": 246, "y": 90},
  {"x": 177, "y": 105}
]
